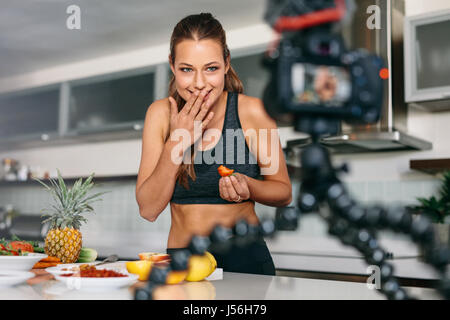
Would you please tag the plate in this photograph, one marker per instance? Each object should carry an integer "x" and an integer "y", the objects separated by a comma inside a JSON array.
[
  {"x": 98, "y": 284},
  {"x": 10, "y": 278},
  {"x": 20, "y": 263},
  {"x": 56, "y": 271},
  {"x": 73, "y": 267}
]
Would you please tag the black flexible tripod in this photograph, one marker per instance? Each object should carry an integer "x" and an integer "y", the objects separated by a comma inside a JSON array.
[{"x": 353, "y": 224}]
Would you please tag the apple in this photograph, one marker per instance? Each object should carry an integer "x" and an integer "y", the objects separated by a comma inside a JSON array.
[
  {"x": 154, "y": 256},
  {"x": 159, "y": 257}
]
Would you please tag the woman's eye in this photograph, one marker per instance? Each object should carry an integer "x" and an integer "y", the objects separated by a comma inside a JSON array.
[{"x": 211, "y": 69}]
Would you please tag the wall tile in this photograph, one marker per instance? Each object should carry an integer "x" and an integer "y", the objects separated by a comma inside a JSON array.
[
  {"x": 430, "y": 188},
  {"x": 392, "y": 192},
  {"x": 375, "y": 192},
  {"x": 410, "y": 191},
  {"x": 357, "y": 190}
]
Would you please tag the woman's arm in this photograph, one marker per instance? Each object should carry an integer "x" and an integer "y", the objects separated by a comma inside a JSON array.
[
  {"x": 157, "y": 172},
  {"x": 161, "y": 160},
  {"x": 270, "y": 191}
]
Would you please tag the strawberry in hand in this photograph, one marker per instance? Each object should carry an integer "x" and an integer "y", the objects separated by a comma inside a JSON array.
[{"x": 224, "y": 171}]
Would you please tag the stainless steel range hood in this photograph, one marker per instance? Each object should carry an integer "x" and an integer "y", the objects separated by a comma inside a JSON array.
[
  {"x": 391, "y": 132},
  {"x": 359, "y": 141}
]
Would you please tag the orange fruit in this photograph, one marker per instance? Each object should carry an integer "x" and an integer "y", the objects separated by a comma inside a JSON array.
[
  {"x": 213, "y": 260},
  {"x": 200, "y": 266},
  {"x": 175, "y": 277},
  {"x": 141, "y": 267}
]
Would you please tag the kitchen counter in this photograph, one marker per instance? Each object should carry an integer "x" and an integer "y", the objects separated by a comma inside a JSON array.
[
  {"x": 290, "y": 251},
  {"x": 233, "y": 286}
]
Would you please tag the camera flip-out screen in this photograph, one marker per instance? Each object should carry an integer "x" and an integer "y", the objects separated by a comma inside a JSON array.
[
  {"x": 328, "y": 86},
  {"x": 346, "y": 87}
]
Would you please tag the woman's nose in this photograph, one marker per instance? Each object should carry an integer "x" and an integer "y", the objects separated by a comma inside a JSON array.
[{"x": 199, "y": 81}]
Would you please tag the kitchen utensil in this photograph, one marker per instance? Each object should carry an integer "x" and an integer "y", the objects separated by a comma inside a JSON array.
[{"x": 109, "y": 259}]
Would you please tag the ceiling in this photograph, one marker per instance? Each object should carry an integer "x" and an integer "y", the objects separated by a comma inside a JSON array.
[{"x": 34, "y": 35}]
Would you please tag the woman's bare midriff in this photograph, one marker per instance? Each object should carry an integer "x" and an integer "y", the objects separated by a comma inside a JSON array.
[{"x": 200, "y": 219}]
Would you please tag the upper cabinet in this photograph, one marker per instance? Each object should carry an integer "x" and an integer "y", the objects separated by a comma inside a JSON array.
[
  {"x": 29, "y": 114},
  {"x": 100, "y": 108},
  {"x": 113, "y": 104},
  {"x": 252, "y": 74}
]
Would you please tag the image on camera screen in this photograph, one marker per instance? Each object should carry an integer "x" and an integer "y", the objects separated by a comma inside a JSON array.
[{"x": 328, "y": 86}]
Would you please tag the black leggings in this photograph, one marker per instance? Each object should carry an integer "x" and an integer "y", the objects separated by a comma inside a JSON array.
[{"x": 254, "y": 258}]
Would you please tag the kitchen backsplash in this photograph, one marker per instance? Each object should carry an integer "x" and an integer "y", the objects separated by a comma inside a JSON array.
[{"x": 118, "y": 211}]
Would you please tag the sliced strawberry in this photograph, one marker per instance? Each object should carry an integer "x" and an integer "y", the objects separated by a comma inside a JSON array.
[
  {"x": 21, "y": 245},
  {"x": 224, "y": 171}
]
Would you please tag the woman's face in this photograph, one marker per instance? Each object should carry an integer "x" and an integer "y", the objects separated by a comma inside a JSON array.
[{"x": 199, "y": 65}]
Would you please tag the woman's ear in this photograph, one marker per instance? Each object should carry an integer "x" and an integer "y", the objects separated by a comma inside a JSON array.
[
  {"x": 227, "y": 64},
  {"x": 171, "y": 65}
]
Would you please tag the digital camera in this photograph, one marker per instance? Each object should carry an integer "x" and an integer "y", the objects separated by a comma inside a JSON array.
[{"x": 312, "y": 72}]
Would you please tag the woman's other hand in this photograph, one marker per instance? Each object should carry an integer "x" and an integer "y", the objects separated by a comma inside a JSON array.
[{"x": 234, "y": 188}]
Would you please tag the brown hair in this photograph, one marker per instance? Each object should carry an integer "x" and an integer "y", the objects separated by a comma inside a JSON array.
[{"x": 199, "y": 27}]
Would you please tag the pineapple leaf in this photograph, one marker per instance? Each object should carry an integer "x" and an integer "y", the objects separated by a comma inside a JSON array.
[
  {"x": 70, "y": 203},
  {"x": 88, "y": 180},
  {"x": 94, "y": 196},
  {"x": 43, "y": 183},
  {"x": 63, "y": 189}
]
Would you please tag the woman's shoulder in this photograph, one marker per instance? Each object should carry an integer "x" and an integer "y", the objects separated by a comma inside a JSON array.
[
  {"x": 158, "y": 115},
  {"x": 160, "y": 108},
  {"x": 252, "y": 112}
]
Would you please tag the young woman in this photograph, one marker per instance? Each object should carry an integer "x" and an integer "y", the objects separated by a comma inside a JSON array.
[{"x": 206, "y": 90}]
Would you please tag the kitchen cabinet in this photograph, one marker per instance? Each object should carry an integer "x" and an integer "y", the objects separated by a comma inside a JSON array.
[
  {"x": 252, "y": 74},
  {"x": 119, "y": 103},
  {"x": 100, "y": 108},
  {"x": 103, "y": 107},
  {"x": 30, "y": 114},
  {"x": 70, "y": 180}
]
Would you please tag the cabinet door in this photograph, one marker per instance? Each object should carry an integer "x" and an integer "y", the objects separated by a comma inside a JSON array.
[
  {"x": 433, "y": 55},
  {"x": 29, "y": 114},
  {"x": 108, "y": 104},
  {"x": 252, "y": 74}
]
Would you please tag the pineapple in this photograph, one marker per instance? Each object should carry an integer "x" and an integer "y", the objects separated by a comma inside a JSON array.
[{"x": 64, "y": 239}]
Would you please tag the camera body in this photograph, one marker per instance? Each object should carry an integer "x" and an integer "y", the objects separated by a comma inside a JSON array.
[{"x": 316, "y": 76}]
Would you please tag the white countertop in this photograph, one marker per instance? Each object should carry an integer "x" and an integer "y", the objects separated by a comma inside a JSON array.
[
  {"x": 326, "y": 254},
  {"x": 290, "y": 251},
  {"x": 233, "y": 286}
]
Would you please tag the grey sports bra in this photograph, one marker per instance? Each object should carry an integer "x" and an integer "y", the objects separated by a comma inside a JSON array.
[{"x": 232, "y": 151}]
